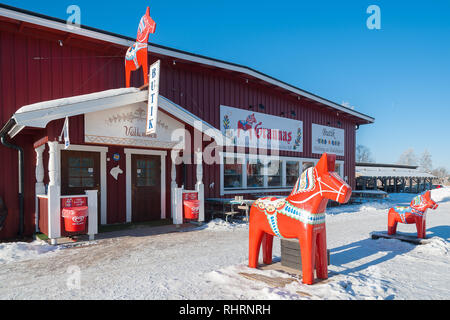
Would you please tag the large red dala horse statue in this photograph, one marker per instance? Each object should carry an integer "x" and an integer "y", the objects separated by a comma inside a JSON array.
[
  {"x": 137, "y": 54},
  {"x": 415, "y": 213},
  {"x": 301, "y": 215}
]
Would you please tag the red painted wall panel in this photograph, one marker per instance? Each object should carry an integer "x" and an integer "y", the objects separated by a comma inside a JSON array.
[{"x": 37, "y": 69}]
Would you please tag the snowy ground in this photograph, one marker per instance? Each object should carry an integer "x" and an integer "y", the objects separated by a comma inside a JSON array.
[{"x": 208, "y": 262}]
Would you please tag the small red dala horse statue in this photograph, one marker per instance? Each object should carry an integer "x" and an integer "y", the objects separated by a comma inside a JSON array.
[
  {"x": 137, "y": 54},
  {"x": 415, "y": 213},
  {"x": 301, "y": 215}
]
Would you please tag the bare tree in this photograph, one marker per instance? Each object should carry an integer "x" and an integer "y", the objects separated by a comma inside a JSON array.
[
  {"x": 408, "y": 157},
  {"x": 441, "y": 174},
  {"x": 425, "y": 163},
  {"x": 363, "y": 154}
]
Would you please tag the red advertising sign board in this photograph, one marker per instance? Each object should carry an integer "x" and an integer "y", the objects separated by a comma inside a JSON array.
[
  {"x": 190, "y": 196},
  {"x": 73, "y": 202}
]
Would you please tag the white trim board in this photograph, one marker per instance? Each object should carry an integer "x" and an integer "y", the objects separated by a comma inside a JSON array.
[{"x": 128, "y": 152}]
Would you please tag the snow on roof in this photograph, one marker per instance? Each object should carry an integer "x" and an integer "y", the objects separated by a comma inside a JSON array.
[
  {"x": 75, "y": 99},
  {"x": 363, "y": 171}
]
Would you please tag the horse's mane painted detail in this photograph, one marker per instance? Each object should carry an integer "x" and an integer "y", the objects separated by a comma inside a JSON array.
[{"x": 305, "y": 182}]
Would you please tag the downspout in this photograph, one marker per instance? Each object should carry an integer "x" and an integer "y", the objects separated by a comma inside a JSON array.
[{"x": 3, "y": 133}]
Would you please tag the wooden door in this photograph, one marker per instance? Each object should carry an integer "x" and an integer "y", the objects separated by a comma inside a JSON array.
[
  {"x": 80, "y": 171},
  {"x": 146, "y": 187}
]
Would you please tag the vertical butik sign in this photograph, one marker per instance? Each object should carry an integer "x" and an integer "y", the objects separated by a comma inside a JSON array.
[{"x": 153, "y": 93}]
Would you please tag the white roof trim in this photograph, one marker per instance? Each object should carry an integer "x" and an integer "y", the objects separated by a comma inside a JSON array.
[
  {"x": 176, "y": 54},
  {"x": 373, "y": 172},
  {"x": 40, "y": 114}
]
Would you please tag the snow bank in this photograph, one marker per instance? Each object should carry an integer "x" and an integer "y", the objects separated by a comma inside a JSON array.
[
  {"x": 18, "y": 251},
  {"x": 441, "y": 194},
  {"x": 221, "y": 225}
]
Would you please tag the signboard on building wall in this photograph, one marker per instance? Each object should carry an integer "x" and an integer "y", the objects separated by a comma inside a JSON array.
[
  {"x": 247, "y": 128},
  {"x": 153, "y": 93},
  {"x": 327, "y": 139},
  {"x": 127, "y": 126}
]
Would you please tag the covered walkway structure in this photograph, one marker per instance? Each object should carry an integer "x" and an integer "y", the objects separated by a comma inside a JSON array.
[{"x": 391, "y": 178}]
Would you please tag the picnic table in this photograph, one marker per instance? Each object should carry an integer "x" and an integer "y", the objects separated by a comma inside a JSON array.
[{"x": 229, "y": 206}]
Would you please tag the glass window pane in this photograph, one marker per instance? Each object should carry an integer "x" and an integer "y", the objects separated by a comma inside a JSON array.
[
  {"x": 74, "y": 172},
  {"x": 292, "y": 172},
  {"x": 87, "y": 182},
  {"x": 74, "y": 162},
  {"x": 291, "y": 180},
  {"x": 232, "y": 171},
  {"x": 74, "y": 182},
  {"x": 87, "y": 162},
  {"x": 274, "y": 173},
  {"x": 306, "y": 165},
  {"x": 255, "y": 176}
]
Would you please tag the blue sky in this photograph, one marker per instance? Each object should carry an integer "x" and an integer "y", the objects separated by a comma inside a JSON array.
[{"x": 400, "y": 74}]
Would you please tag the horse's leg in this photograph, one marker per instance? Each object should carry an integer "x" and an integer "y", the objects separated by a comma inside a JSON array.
[
  {"x": 267, "y": 244},
  {"x": 127, "y": 75},
  {"x": 392, "y": 221},
  {"x": 254, "y": 242},
  {"x": 419, "y": 227},
  {"x": 321, "y": 255},
  {"x": 307, "y": 248},
  {"x": 424, "y": 228}
]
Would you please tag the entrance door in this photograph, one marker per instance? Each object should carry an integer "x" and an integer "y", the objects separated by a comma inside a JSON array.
[
  {"x": 146, "y": 187},
  {"x": 80, "y": 171}
]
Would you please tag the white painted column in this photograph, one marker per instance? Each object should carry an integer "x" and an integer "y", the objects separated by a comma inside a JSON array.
[
  {"x": 39, "y": 186},
  {"x": 178, "y": 206},
  {"x": 199, "y": 186},
  {"x": 54, "y": 193},
  {"x": 92, "y": 213}
]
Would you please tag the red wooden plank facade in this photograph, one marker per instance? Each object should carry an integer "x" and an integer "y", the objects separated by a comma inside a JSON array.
[{"x": 39, "y": 64}]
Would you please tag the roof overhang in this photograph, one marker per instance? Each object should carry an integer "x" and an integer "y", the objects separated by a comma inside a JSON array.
[
  {"x": 38, "y": 115},
  {"x": 61, "y": 25},
  {"x": 390, "y": 172}
]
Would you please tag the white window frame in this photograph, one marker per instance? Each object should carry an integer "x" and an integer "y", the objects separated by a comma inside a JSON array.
[{"x": 264, "y": 158}]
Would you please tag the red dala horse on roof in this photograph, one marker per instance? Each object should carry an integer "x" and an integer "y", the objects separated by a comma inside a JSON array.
[
  {"x": 301, "y": 215},
  {"x": 137, "y": 54},
  {"x": 415, "y": 213}
]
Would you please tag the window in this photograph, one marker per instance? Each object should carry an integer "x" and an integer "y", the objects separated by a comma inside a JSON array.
[
  {"x": 146, "y": 171},
  {"x": 232, "y": 172},
  {"x": 274, "y": 173},
  {"x": 242, "y": 172},
  {"x": 81, "y": 172},
  {"x": 307, "y": 164},
  {"x": 255, "y": 176},
  {"x": 292, "y": 172}
]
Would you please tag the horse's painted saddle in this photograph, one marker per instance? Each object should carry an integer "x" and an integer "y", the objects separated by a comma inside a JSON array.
[
  {"x": 403, "y": 212},
  {"x": 272, "y": 206},
  {"x": 132, "y": 52}
]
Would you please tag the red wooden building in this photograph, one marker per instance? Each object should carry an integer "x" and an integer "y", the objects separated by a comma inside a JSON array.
[{"x": 42, "y": 59}]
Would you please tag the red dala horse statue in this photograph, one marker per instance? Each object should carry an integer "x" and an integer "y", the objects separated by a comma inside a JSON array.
[
  {"x": 415, "y": 213},
  {"x": 301, "y": 215},
  {"x": 137, "y": 54}
]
